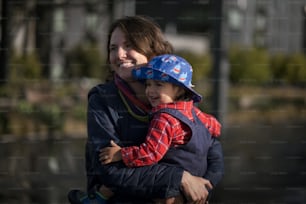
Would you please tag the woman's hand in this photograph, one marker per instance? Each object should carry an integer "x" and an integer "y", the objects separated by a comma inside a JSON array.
[
  {"x": 195, "y": 188},
  {"x": 110, "y": 154}
]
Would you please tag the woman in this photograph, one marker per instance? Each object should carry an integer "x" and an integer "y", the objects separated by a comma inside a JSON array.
[{"x": 118, "y": 111}]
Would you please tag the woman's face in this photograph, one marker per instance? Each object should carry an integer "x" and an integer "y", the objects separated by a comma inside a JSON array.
[{"x": 122, "y": 56}]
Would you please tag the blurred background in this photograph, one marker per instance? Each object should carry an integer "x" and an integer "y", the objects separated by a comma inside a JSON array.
[{"x": 249, "y": 63}]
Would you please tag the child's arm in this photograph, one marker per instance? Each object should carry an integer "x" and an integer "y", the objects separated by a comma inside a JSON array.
[
  {"x": 110, "y": 154},
  {"x": 155, "y": 146}
]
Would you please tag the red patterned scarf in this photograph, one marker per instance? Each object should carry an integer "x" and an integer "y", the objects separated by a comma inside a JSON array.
[{"x": 137, "y": 106}]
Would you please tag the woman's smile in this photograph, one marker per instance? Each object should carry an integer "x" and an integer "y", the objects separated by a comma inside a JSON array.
[{"x": 126, "y": 64}]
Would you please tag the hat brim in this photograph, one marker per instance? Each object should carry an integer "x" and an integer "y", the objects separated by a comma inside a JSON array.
[{"x": 141, "y": 74}]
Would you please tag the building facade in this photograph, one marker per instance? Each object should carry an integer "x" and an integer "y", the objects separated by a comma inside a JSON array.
[
  {"x": 61, "y": 24},
  {"x": 271, "y": 24}
]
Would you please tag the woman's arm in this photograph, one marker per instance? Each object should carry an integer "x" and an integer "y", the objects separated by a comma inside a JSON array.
[
  {"x": 152, "y": 181},
  {"x": 156, "y": 181},
  {"x": 215, "y": 163}
]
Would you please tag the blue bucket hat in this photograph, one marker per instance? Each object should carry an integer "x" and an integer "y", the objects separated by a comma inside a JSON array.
[{"x": 168, "y": 68}]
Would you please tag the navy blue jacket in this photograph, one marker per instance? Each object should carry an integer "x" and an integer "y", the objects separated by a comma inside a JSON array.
[{"x": 108, "y": 119}]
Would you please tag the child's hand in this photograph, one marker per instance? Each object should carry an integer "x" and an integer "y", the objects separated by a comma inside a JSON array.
[{"x": 110, "y": 154}]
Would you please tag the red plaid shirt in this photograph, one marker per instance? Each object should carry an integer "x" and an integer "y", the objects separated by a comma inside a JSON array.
[{"x": 165, "y": 131}]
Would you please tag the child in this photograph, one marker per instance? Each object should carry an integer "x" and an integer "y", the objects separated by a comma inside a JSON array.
[{"x": 179, "y": 133}]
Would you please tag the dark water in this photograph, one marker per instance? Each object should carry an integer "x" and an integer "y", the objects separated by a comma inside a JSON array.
[
  {"x": 264, "y": 164},
  {"x": 40, "y": 171}
]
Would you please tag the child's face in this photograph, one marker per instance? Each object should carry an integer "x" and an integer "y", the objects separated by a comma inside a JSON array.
[{"x": 159, "y": 92}]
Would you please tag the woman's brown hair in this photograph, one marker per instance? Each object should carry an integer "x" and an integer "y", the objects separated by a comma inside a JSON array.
[{"x": 144, "y": 35}]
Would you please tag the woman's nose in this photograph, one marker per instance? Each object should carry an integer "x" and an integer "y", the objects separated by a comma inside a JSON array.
[{"x": 121, "y": 53}]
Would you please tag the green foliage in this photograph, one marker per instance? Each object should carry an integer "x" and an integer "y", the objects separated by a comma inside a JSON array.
[
  {"x": 201, "y": 64},
  {"x": 25, "y": 108},
  {"x": 25, "y": 67},
  {"x": 257, "y": 66},
  {"x": 79, "y": 112},
  {"x": 278, "y": 63},
  {"x": 249, "y": 66},
  {"x": 296, "y": 69},
  {"x": 22, "y": 69},
  {"x": 237, "y": 62},
  {"x": 85, "y": 60},
  {"x": 49, "y": 114}
]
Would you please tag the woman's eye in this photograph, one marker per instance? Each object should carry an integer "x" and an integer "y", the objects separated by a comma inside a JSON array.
[
  {"x": 128, "y": 46},
  {"x": 112, "y": 48}
]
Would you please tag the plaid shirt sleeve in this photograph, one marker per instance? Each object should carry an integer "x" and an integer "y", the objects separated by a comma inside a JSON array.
[
  {"x": 210, "y": 122},
  {"x": 156, "y": 144}
]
